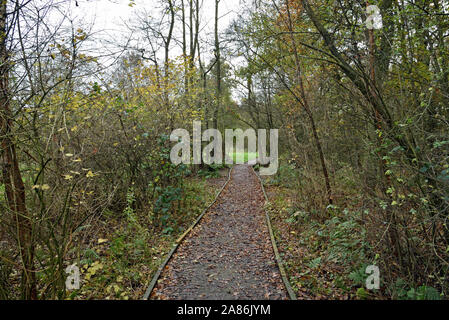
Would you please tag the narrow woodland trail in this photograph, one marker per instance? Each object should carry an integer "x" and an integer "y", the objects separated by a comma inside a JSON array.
[{"x": 228, "y": 255}]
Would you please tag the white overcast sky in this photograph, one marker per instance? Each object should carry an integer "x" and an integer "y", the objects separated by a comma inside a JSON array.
[
  {"x": 109, "y": 16},
  {"x": 107, "y": 19}
]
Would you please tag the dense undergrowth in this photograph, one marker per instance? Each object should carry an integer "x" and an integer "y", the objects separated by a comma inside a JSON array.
[
  {"x": 120, "y": 264},
  {"x": 327, "y": 250},
  {"x": 118, "y": 252}
]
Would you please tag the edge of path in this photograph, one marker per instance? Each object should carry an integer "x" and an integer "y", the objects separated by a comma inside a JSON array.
[
  {"x": 279, "y": 261},
  {"x": 178, "y": 241}
]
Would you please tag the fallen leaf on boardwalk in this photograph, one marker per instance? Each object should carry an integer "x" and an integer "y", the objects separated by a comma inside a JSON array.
[{"x": 233, "y": 240}]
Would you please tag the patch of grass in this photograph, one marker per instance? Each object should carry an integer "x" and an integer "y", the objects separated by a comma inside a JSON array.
[{"x": 243, "y": 156}]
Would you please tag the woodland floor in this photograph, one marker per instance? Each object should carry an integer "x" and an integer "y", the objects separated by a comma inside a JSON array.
[{"x": 228, "y": 255}]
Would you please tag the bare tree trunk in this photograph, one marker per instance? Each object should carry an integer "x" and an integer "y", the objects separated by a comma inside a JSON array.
[
  {"x": 192, "y": 48},
  {"x": 218, "y": 66},
  {"x": 166, "y": 62},
  {"x": 196, "y": 32},
  {"x": 184, "y": 45},
  {"x": 393, "y": 233},
  {"x": 305, "y": 104},
  {"x": 12, "y": 178},
  {"x": 169, "y": 35}
]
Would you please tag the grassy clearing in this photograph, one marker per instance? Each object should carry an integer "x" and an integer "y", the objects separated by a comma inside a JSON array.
[{"x": 243, "y": 156}]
